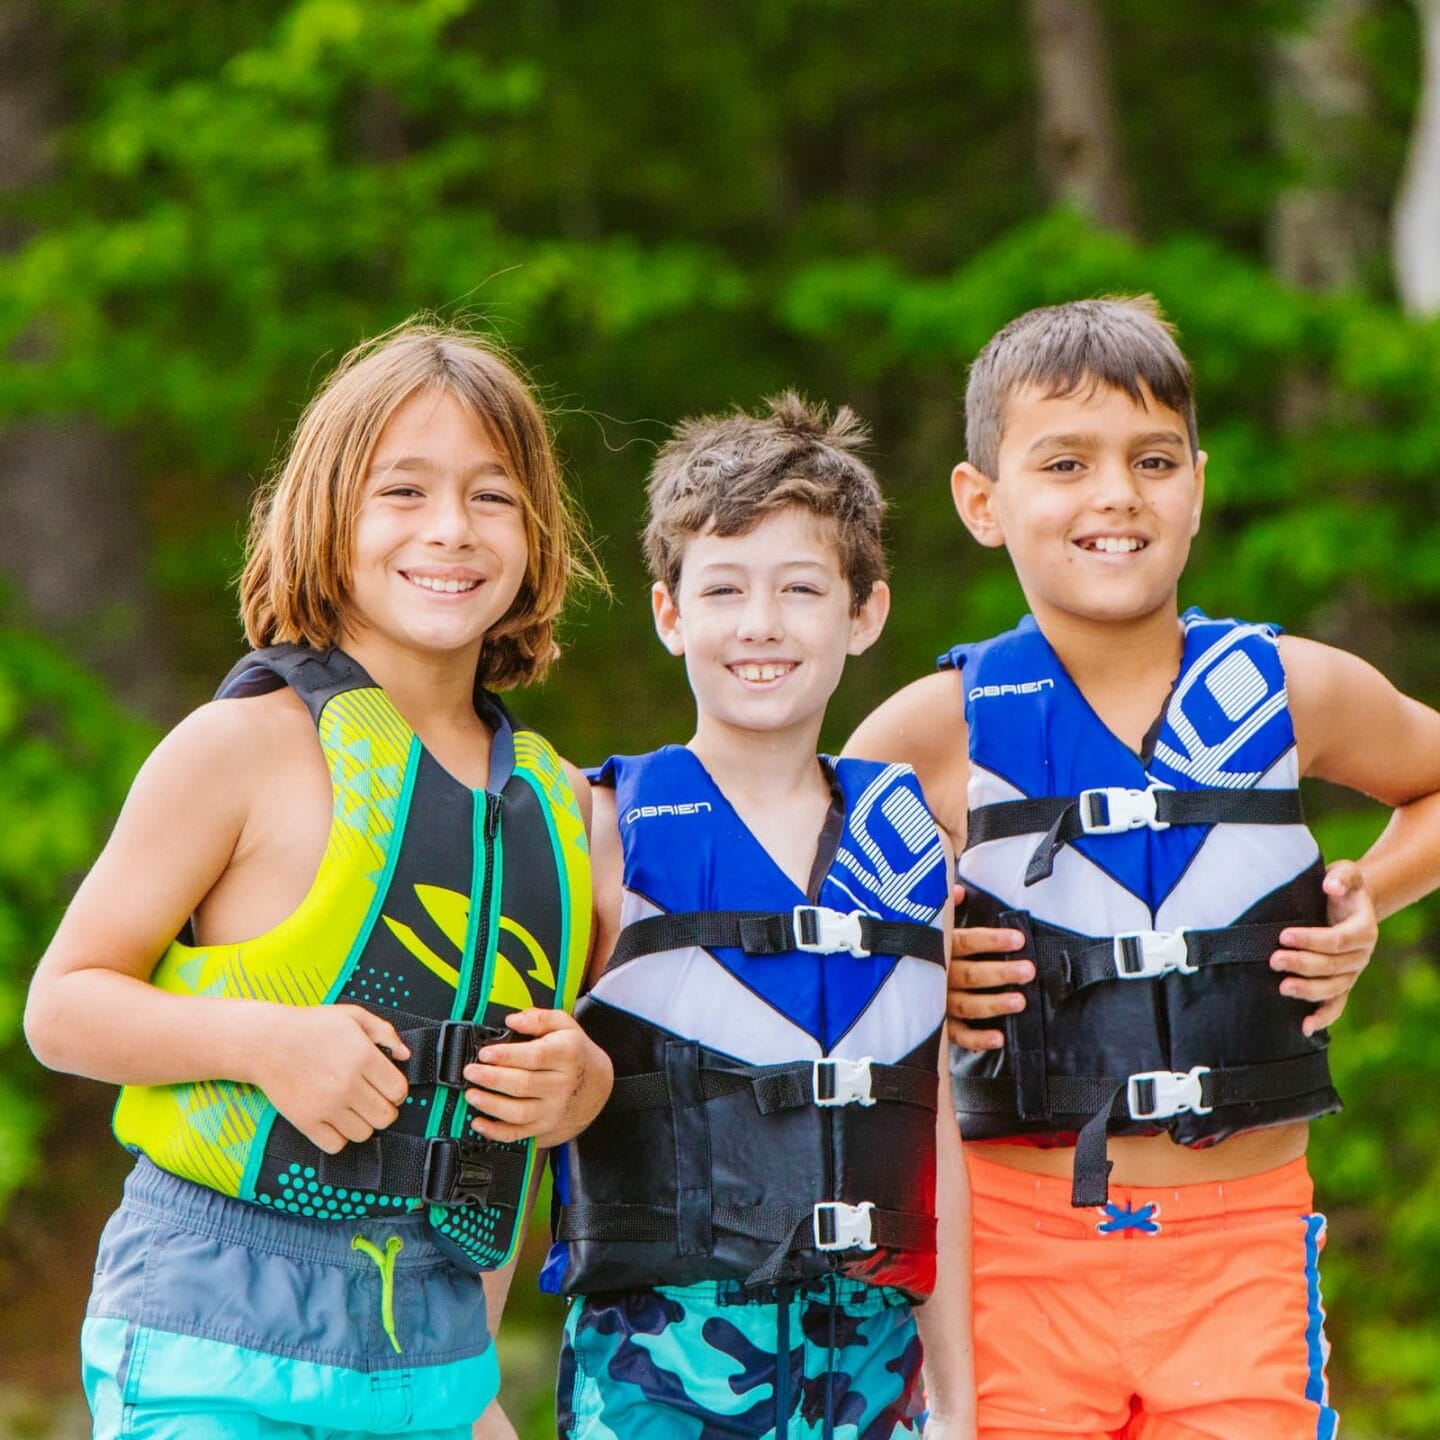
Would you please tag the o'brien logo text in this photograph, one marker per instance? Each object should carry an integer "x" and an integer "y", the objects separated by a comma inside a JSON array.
[
  {"x": 1023, "y": 687},
  {"x": 650, "y": 812}
]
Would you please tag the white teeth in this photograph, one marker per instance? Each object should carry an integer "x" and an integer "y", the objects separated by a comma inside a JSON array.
[
  {"x": 1115, "y": 544},
  {"x": 762, "y": 672},
  {"x": 446, "y": 587}
]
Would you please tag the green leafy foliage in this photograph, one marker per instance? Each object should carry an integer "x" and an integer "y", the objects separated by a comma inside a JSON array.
[
  {"x": 674, "y": 209},
  {"x": 67, "y": 754}
]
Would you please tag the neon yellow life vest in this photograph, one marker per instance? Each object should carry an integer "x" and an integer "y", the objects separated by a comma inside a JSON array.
[{"x": 441, "y": 908}]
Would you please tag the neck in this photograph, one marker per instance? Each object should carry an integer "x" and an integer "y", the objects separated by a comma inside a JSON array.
[
  {"x": 426, "y": 688},
  {"x": 760, "y": 764},
  {"x": 1107, "y": 654}
]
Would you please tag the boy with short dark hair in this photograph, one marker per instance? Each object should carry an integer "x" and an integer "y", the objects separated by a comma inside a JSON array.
[
  {"x": 749, "y": 1222},
  {"x": 1121, "y": 783}
]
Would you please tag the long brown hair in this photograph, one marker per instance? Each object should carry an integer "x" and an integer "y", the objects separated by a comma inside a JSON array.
[{"x": 301, "y": 541}]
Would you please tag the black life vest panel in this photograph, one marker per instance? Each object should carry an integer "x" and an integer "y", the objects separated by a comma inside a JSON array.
[
  {"x": 440, "y": 908},
  {"x": 775, "y": 1050},
  {"x": 1151, "y": 891}
]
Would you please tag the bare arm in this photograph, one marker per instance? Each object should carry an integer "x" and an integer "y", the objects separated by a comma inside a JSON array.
[
  {"x": 944, "y": 1320},
  {"x": 924, "y": 726},
  {"x": 91, "y": 1010},
  {"x": 607, "y": 868},
  {"x": 1354, "y": 728}
]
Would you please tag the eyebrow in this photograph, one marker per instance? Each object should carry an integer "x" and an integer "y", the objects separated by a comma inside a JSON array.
[
  {"x": 1077, "y": 442},
  {"x": 411, "y": 464}
]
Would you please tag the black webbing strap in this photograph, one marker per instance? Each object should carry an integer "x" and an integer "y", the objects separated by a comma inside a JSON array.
[
  {"x": 788, "y": 1228},
  {"x": 1068, "y": 964},
  {"x": 1104, "y": 1099},
  {"x": 1062, "y": 821},
  {"x": 441, "y": 1049},
  {"x": 776, "y": 1087},
  {"x": 759, "y": 932},
  {"x": 438, "y": 1170}
]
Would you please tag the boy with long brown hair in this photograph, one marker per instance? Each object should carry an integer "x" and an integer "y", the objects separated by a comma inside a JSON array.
[{"x": 381, "y": 886}]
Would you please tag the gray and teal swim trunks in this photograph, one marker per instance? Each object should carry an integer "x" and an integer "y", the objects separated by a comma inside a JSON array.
[
  {"x": 214, "y": 1319},
  {"x": 835, "y": 1360}
]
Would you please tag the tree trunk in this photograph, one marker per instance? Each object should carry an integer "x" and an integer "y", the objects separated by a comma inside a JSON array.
[
  {"x": 1416, "y": 238},
  {"x": 1079, "y": 145},
  {"x": 1323, "y": 232},
  {"x": 70, "y": 532}
]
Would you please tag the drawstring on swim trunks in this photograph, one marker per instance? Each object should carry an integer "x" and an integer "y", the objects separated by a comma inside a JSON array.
[{"x": 385, "y": 1262}]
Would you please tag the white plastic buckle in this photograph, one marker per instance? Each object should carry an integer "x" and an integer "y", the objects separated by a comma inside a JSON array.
[
  {"x": 1112, "y": 810},
  {"x": 827, "y": 932},
  {"x": 1148, "y": 954},
  {"x": 839, "y": 1226},
  {"x": 1176, "y": 1093},
  {"x": 842, "y": 1082}
]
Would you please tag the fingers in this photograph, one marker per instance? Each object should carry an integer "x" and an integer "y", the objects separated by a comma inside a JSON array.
[
  {"x": 1325, "y": 1016},
  {"x": 978, "y": 940},
  {"x": 1343, "y": 878},
  {"x": 973, "y": 1040},
  {"x": 504, "y": 1117},
  {"x": 382, "y": 1032},
  {"x": 1311, "y": 963},
  {"x": 983, "y": 974},
  {"x": 325, "y": 1136},
  {"x": 541, "y": 1022}
]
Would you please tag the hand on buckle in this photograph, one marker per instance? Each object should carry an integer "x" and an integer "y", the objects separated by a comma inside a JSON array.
[
  {"x": 839, "y": 1226},
  {"x": 459, "y": 1044},
  {"x": 1170, "y": 1092},
  {"x": 842, "y": 1082},
  {"x": 827, "y": 932},
  {"x": 1112, "y": 810},
  {"x": 1148, "y": 954}
]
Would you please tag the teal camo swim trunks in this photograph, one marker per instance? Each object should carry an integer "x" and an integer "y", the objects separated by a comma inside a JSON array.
[
  {"x": 214, "y": 1319},
  {"x": 699, "y": 1362}
]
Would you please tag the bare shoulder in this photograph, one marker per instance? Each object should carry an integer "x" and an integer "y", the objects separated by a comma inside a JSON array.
[
  {"x": 1353, "y": 727},
  {"x": 923, "y": 726},
  {"x": 583, "y": 794},
  {"x": 607, "y": 864}
]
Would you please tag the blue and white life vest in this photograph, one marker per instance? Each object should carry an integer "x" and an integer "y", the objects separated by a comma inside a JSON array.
[
  {"x": 1152, "y": 889},
  {"x": 775, "y": 1050}
]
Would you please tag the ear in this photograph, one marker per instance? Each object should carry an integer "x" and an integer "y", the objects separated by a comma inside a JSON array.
[
  {"x": 869, "y": 620},
  {"x": 1200, "y": 458},
  {"x": 667, "y": 618},
  {"x": 974, "y": 495}
]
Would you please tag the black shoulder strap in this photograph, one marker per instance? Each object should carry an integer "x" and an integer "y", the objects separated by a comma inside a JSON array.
[{"x": 315, "y": 676}]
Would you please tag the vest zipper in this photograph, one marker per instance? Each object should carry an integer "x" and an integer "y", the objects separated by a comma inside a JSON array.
[{"x": 479, "y": 972}]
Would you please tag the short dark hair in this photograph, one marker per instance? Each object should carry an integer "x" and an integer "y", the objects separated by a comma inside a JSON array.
[
  {"x": 1120, "y": 341},
  {"x": 725, "y": 473}
]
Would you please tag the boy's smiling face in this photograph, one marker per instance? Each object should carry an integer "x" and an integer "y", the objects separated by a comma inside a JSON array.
[
  {"x": 1097, "y": 499},
  {"x": 440, "y": 545},
  {"x": 765, "y": 621}
]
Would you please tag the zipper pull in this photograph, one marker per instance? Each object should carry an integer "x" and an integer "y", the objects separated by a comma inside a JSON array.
[{"x": 492, "y": 814}]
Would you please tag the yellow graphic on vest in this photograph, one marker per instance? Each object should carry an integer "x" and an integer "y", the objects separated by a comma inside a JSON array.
[{"x": 450, "y": 910}]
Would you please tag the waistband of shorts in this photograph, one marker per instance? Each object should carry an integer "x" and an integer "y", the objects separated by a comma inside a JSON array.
[
  {"x": 1286, "y": 1187},
  {"x": 844, "y": 1290},
  {"x": 160, "y": 1196}
]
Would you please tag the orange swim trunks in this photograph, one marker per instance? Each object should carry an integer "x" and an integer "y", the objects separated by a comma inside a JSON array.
[{"x": 1190, "y": 1313}]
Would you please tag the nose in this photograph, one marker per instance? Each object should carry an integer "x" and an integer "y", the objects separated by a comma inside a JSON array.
[
  {"x": 760, "y": 618},
  {"x": 448, "y": 521},
  {"x": 1115, "y": 486}
]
